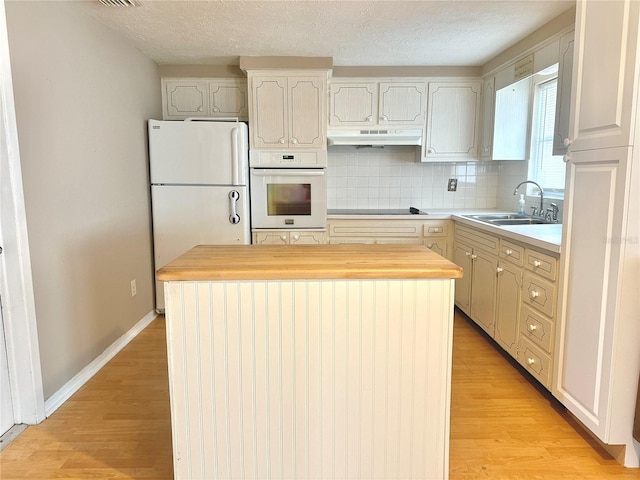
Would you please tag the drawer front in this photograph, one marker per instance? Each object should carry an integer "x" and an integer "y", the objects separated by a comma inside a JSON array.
[
  {"x": 539, "y": 293},
  {"x": 541, "y": 264},
  {"x": 535, "y": 361},
  {"x": 476, "y": 238},
  {"x": 512, "y": 252},
  {"x": 536, "y": 328},
  {"x": 384, "y": 228},
  {"x": 436, "y": 229}
]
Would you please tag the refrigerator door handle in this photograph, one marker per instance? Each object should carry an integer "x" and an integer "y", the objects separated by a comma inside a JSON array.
[
  {"x": 235, "y": 177},
  {"x": 234, "y": 196}
]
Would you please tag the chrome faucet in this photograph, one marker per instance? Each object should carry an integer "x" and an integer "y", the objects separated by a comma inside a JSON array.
[{"x": 541, "y": 209}]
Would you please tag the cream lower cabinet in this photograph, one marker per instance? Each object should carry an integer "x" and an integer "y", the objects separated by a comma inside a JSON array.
[
  {"x": 434, "y": 234},
  {"x": 510, "y": 291},
  {"x": 289, "y": 237},
  {"x": 476, "y": 252}
]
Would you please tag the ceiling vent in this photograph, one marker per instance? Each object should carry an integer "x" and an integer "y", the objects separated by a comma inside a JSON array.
[{"x": 119, "y": 3}]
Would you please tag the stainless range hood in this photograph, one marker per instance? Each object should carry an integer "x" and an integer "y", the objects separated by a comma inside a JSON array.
[{"x": 375, "y": 137}]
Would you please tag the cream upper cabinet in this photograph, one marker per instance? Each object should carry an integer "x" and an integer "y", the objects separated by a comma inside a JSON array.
[
  {"x": 288, "y": 109},
  {"x": 453, "y": 121},
  {"x": 371, "y": 103},
  {"x": 604, "y": 74},
  {"x": 184, "y": 98},
  {"x": 563, "y": 99},
  {"x": 207, "y": 97},
  {"x": 402, "y": 103},
  {"x": 488, "y": 106}
]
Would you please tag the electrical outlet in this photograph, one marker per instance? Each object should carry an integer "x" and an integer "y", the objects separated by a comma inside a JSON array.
[
  {"x": 452, "y": 186},
  {"x": 133, "y": 288}
]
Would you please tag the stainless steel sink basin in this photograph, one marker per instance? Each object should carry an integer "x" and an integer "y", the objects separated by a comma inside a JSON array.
[{"x": 508, "y": 219}]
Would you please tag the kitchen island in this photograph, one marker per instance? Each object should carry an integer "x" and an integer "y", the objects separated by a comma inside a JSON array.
[{"x": 300, "y": 361}]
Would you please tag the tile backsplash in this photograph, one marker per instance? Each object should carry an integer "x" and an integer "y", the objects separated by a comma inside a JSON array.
[{"x": 391, "y": 177}]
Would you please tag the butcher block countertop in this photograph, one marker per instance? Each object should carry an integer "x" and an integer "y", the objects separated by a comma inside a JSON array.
[{"x": 308, "y": 262}]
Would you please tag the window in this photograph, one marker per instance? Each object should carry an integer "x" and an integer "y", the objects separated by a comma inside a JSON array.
[{"x": 545, "y": 168}]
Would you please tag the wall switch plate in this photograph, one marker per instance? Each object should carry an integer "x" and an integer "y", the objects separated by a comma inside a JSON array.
[
  {"x": 452, "y": 186},
  {"x": 134, "y": 290}
]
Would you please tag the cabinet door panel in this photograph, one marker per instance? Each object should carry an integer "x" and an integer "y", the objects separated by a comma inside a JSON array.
[
  {"x": 354, "y": 104},
  {"x": 270, "y": 107},
  {"x": 604, "y": 69},
  {"x": 186, "y": 99},
  {"x": 306, "y": 103},
  {"x": 462, "y": 258},
  {"x": 452, "y": 121},
  {"x": 483, "y": 291},
  {"x": 508, "y": 307},
  {"x": 563, "y": 99},
  {"x": 488, "y": 105},
  {"x": 402, "y": 103},
  {"x": 228, "y": 99},
  {"x": 590, "y": 269}
]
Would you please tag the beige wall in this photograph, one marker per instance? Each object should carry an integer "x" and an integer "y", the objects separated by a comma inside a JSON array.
[{"x": 82, "y": 98}]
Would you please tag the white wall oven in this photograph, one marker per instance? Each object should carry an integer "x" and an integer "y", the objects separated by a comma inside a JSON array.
[{"x": 288, "y": 198}]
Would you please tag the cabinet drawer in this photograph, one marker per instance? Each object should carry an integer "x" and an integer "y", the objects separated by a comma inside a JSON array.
[
  {"x": 541, "y": 263},
  {"x": 386, "y": 228},
  {"x": 536, "y": 328},
  {"x": 512, "y": 252},
  {"x": 436, "y": 229},
  {"x": 476, "y": 238},
  {"x": 536, "y": 362},
  {"x": 539, "y": 293}
]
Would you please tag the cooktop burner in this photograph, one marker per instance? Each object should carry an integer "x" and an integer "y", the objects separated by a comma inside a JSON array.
[{"x": 377, "y": 211}]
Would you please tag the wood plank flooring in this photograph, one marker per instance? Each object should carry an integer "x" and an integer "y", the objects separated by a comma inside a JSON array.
[{"x": 118, "y": 425}]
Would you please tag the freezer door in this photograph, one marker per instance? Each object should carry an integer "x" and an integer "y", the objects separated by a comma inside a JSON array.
[
  {"x": 198, "y": 152},
  {"x": 186, "y": 216}
]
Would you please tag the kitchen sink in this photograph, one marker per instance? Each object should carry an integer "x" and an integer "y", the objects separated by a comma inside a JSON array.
[{"x": 508, "y": 219}]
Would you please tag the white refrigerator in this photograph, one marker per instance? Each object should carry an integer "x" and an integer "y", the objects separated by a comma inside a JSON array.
[{"x": 199, "y": 187}]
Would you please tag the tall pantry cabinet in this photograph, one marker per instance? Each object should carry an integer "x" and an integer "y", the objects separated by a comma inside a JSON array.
[{"x": 598, "y": 341}]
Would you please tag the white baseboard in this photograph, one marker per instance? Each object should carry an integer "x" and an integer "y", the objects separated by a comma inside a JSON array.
[{"x": 72, "y": 386}]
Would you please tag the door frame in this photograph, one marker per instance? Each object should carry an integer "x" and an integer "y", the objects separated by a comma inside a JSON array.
[{"x": 16, "y": 284}]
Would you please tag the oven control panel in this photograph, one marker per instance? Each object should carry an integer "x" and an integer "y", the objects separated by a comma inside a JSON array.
[{"x": 288, "y": 158}]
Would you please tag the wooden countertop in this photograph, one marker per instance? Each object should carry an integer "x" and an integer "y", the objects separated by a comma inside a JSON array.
[{"x": 308, "y": 262}]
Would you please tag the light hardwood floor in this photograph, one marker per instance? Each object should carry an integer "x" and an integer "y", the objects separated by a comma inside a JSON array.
[{"x": 118, "y": 425}]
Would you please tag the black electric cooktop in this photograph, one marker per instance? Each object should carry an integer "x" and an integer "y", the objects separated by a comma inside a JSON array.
[{"x": 376, "y": 211}]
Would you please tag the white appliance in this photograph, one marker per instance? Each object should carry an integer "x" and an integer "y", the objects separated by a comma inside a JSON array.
[
  {"x": 288, "y": 198},
  {"x": 199, "y": 187},
  {"x": 375, "y": 137}
]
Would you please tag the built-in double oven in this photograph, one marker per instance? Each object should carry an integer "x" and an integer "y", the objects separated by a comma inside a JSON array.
[{"x": 288, "y": 189}]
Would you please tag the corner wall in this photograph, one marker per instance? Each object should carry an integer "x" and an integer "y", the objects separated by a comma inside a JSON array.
[{"x": 82, "y": 97}]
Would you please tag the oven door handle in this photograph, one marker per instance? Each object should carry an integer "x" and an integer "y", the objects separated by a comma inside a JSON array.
[{"x": 288, "y": 173}]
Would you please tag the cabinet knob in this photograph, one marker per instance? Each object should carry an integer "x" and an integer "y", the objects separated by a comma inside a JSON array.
[
  {"x": 216, "y": 109},
  {"x": 384, "y": 118},
  {"x": 534, "y": 294},
  {"x": 500, "y": 270},
  {"x": 531, "y": 361},
  {"x": 431, "y": 150},
  {"x": 430, "y": 245},
  {"x": 468, "y": 254},
  {"x": 282, "y": 140},
  {"x": 566, "y": 158},
  {"x": 200, "y": 109},
  {"x": 537, "y": 263},
  {"x": 369, "y": 118},
  {"x": 509, "y": 252},
  {"x": 294, "y": 141},
  {"x": 283, "y": 238},
  {"x": 485, "y": 149},
  {"x": 296, "y": 237},
  {"x": 473, "y": 257},
  {"x": 566, "y": 142},
  {"x": 532, "y": 328}
]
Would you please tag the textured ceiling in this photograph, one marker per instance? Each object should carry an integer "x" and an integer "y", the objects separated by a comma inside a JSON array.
[{"x": 354, "y": 33}]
